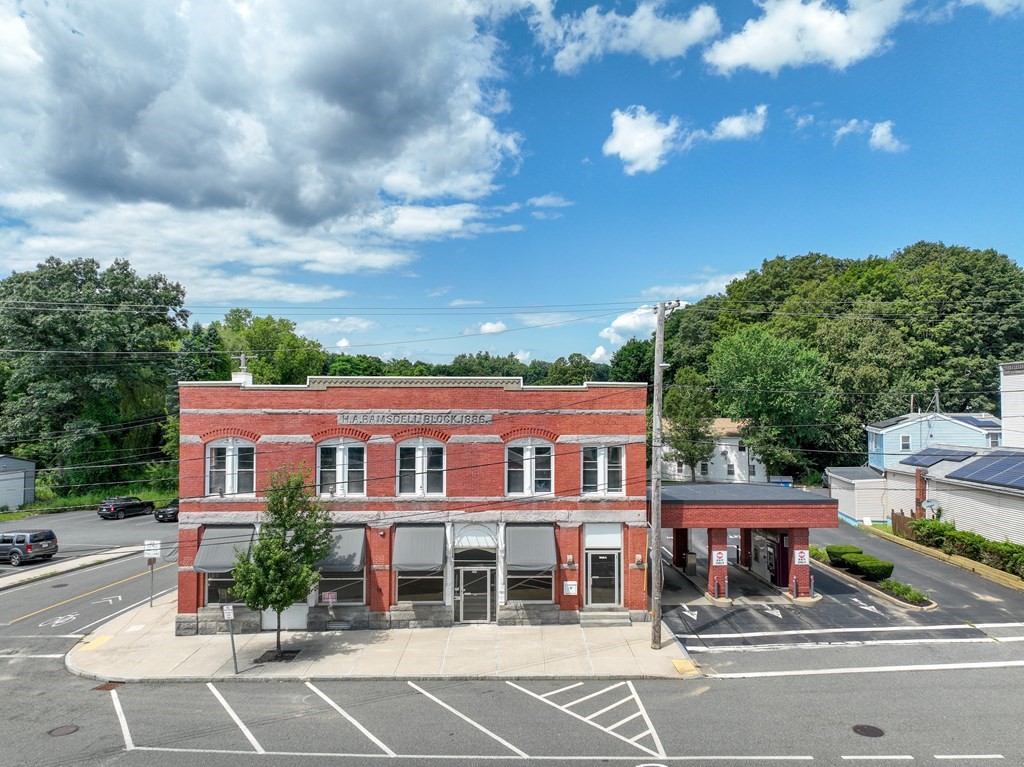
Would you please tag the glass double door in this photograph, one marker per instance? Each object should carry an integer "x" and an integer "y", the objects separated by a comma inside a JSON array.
[
  {"x": 475, "y": 592},
  {"x": 604, "y": 586}
]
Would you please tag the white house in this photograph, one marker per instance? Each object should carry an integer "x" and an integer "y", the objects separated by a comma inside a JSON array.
[{"x": 731, "y": 461}]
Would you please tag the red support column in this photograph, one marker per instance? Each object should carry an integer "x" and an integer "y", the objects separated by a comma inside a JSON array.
[
  {"x": 746, "y": 546},
  {"x": 680, "y": 545},
  {"x": 379, "y": 587},
  {"x": 799, "y": 550},
  {"x": 718, "y": 561},
  {"x": 188, "y": 580},
  {"x": 569, "y": 546}
]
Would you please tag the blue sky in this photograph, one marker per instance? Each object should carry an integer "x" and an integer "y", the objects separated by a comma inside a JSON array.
[{"x": 413, "y": 179}]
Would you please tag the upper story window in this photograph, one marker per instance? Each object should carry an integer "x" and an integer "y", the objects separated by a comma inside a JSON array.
[
  {"x": 230, "y": 467},
  {"x": 993, "y": 439},
  {"x": 703, "y": 468},
  {"x": 341, "y": 468},
  {"x": 421, "y": 467},
  {"x": 529, "y": 467},
  {"x": 730, "y": 469},
  {"x": 603, "y": 469},
  {"x": 905, "y": 442}
]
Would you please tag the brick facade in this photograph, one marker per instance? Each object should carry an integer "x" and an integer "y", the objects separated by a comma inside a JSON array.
[{"x": 474, "y": 420}]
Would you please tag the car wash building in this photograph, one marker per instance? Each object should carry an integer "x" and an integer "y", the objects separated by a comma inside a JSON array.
[
  {"x": 454, "y": 500},
  {"x": 773, "y": 524}
]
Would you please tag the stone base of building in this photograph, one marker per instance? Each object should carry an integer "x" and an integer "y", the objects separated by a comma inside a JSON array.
[
  {"x": 353, "y": 617},
  {"x": 520, "y": 614},
  {"x": 410, "y": 615}
]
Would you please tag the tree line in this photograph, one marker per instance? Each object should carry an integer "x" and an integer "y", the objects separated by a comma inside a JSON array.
[{"x": 803, "y": 352}]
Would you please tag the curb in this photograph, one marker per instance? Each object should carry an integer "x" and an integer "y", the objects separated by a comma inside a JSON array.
[
  {"x": 67, "y": 566},
  {"x": 866, "y": 586}
]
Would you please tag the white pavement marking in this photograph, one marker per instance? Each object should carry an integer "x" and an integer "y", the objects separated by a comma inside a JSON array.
[
  {"x": 610, "y": 730},
  {"x": 575, "y": 758},
  {"x": 30, "y": 657},
  {"x": 650, "y": 725},
  {"x": 1016, "y": 624},
  {"x": 848, "y": 643},
  {"x": 593, "y": 695},
  {"x": 128, "y": 744},
  {"x": 126, "y": 609},
  {"x": 850, "y": 630},
  {"x": 241, "y": 725},
  {"x": 877, "y": 757},
  {"x": 354, "y": 723},
  {"x": 606, "y": 709},
  {"x": 562, "y": 689},
  {"x": 873, "y": 669},
  {"x": 969, "y": 756},
  {"x": 465, "y": 718}
]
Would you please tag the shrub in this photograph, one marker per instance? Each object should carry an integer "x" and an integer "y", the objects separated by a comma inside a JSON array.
[
  {"x": 904, "y": 592},
  {"x": 931, "y": 532},
  {"x": 964, "y": 543},
  {"x": 819, "y": 554},
  {"x": 854, "y": 561},
  {"x": 875, "y": 569},
  {"x": 837, "y": 554},
  {"x": 1002, "y": 556}
]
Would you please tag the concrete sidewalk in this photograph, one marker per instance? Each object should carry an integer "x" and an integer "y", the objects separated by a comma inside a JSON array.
[{"x": 140, "y": 646}]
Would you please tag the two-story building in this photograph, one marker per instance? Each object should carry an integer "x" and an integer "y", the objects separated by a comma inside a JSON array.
[
  {"x": 892, "y": 440},
  {"x": 453, "y": 499},
  {"x": 730, "y": 460}
]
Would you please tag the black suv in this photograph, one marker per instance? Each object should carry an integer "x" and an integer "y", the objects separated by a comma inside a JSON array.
[
  {"x": 19, "y": 546},
  {"x": 123, "y": 506},
  {"x": 168, "y": 513}
]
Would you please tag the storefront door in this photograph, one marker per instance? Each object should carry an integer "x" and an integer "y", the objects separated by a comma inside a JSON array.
[
  {"x": 476, "y": 594},
  {"x": 603, "y": 585}
]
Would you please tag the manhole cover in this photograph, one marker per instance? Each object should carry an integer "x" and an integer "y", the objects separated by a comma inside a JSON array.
[
  {"x": 272, "y": 656},
  {"x": 868, "y": 731},
  {"x": 65, "y": 729}
]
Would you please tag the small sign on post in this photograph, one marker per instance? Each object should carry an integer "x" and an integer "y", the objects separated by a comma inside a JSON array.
[
  {"x": 801, "y": 556},
  {"x": 229, "y": 616},
  {"x": 151, "y": 551}
]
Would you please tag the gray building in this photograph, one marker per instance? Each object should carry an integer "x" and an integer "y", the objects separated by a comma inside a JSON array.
[{"x": 17, "y": 482}]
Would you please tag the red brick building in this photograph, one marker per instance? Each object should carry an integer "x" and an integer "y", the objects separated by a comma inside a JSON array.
[{"x": 454, "y": 499}]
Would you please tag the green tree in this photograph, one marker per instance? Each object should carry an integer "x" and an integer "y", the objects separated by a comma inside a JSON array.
[
  {"x": 633, "y": 361},
  {"x": 689, "y": 410},
  {"x": 354, "y": 365},
  {"x": 279, "y": 354},
  {"x": 280, "y": 568},
  {"x": 571, "y": 371},
  {"x": 86, "y": 361},
  {"x": 777, "y": 387}
]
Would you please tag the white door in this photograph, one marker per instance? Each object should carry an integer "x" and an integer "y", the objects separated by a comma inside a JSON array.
[{"x": 292, "y": 619}]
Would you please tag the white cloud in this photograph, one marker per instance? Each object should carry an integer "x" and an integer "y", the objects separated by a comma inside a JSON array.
[
  {"x": 741, "y": 127},
  {"x": 600, "y": 355},
  {"x": 545, "y": 319},
  {"x": 998, "y": 7},
  {"x": 640, "y": 139},
  {"x": 457, "y": 302},
  {"x": 883, "y": 140},
  {"x": 710, "y": 285},
  {"x": 800, "y": 32},
  {"x": 639, "y": 322},
  {"x": 343, "y": 343},
  {"x": 881, "y": 136},
  {"x": 485, "y": 328},
  {"x": 549, "y": 201},
  {"x": 523, "y": 356},
  {"x": 590, "y": 35},
  {"x": 438, "y": 292}
]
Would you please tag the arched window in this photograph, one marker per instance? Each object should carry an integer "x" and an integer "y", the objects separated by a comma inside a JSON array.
[
  {"x": 529, "y": 467},
  {"x": 230, "y": 467},
  {"x": 341, "y": 467},
  {"x": 420, "y": 467}
]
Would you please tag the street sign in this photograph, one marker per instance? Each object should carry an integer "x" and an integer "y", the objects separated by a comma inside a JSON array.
[
  {"x": 151, "y": 550},
  {"x": 720, "y": 557},
  {"x": 801, "y": 556},
  {"x": 229, "y": 612},
  {"x": 329, "y": 596}
]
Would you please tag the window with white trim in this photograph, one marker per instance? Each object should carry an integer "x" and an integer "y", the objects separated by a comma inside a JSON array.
[
  {"x": 993, "y": 439},
  {"x": 905, "y": 442},
  {"x": 703, "y": 468},
  {"x": 341, "y": 468},
  {"x": 730, "y": 469},
  {"x": 529, "y": 467},
  {"x": 343, "y": 588},
  {"x": 421, "y": 467},
  {"x": 230, "y": 467},
  {"x": 603, "y": 470}
]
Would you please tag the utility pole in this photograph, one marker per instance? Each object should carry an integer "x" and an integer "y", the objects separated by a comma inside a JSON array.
[{"x": 657, "y": 575}]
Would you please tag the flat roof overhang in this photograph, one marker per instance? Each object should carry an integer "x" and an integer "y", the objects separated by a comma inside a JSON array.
[{"x": 743, "y": 505}]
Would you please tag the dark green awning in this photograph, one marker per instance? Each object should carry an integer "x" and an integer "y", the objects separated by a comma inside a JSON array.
[
  {"x": 220, "y": 547},
  {"x": 418, "y": 548},
  {"x": 530, "y": 548},
  {"x": 348, "y": 554}
]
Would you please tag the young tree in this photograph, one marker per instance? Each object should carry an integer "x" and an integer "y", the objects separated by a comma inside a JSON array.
[
  {"x": 689, "y": 409},
  {"x": 295, "y": 534}
]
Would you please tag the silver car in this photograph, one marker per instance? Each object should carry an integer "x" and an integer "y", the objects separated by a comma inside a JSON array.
[{"x": 19, "y": 546}]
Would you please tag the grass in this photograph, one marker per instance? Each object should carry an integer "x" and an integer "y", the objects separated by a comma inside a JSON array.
[
  {"x": 904, "y": 592},
  {"x": 83, "y": 501}
]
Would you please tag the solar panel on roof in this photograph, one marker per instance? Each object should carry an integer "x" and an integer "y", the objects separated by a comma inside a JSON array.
[{"x": 933, "y": 455}]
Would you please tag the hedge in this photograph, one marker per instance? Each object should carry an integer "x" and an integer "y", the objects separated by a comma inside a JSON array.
[
  {"x": 854, "y": 561},
  {"x": 837, "y": 554},
  {"x": 1005, "y": 556},
  {"x": 875, "y": 569}
]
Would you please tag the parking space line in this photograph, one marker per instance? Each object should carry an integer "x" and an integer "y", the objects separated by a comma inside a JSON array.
[
  {"x": 354, "y": 723},
  {"x": 592, "y": 695},
  {"x": 621, "y": 722},
  {"x": 465, "y": 718},
  {"x": 241, "y": 725},
  {"x": 845, "y": 630},
  {"x": 128, "y": 744},
  {"x": 562, "y": 689},
  {"x": 596, "y": 714}
]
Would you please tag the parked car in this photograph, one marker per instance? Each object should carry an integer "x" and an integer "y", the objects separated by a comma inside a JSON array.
[
  {"x": 17, "y": 546},
  {"x": 123, "y": 506},
  {"x": 168, "y": 513}
]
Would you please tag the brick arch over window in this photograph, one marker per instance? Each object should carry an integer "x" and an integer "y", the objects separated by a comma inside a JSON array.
[
  {"x": 210, "y": 436},
  {"x": 420, "y": 431},
  {"x": 526, "y": 432},
  {"x": 341, "y": 431}
]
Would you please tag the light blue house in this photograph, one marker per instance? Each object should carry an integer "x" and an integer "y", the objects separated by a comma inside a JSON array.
[{"x": 892, "y": 440}]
